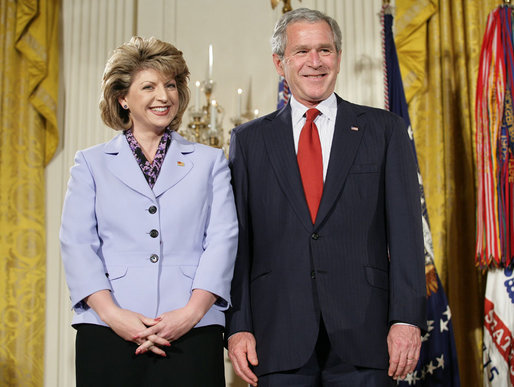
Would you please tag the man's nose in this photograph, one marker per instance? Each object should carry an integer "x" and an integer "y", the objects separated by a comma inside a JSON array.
[{"x": 314, "y": 58}]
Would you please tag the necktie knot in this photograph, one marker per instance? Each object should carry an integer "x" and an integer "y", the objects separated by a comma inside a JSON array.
[{"x": 312, "y": 114}]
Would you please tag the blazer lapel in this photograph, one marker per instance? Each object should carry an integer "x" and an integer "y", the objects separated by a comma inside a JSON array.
[
  {"x": 175, "y": 165},
  {"x": 124, "y": 166},
  {"x": 347, "y": 137},
  {"x": 279, "y": 142}
]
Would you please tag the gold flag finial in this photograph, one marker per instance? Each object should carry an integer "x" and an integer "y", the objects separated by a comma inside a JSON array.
[{"x": 287, "y": 5}]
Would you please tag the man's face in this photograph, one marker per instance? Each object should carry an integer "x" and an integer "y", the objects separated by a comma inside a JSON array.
[{"x": 311, "y": 63}]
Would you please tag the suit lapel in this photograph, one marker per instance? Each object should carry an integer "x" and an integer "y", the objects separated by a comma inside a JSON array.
[
  {"x": 347, "y": 137},
  {"x": 279, "y": 142},
  {"x": 175, "y": 165},
  {"x": 124, "y": 166}
]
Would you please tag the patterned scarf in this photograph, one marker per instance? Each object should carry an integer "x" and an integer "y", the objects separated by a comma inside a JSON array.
[{"x": 150, "y": 169}]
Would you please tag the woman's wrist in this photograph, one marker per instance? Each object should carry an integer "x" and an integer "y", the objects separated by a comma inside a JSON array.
[
  {"x": 194, "y": 313},
  {"x": 199, "y": 304},
  {"x": 102, "y": 303}
]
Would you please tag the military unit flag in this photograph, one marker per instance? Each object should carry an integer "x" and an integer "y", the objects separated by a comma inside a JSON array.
[
  {"x": 495, "y": 143},
  {"x": 495, "y": 173}
]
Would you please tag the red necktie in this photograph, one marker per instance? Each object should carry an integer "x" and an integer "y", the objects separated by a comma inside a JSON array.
[{"x": 310, "y": 163}]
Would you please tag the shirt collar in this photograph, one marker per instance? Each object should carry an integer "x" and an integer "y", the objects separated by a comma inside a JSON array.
[{"x": 327, "y": 107}]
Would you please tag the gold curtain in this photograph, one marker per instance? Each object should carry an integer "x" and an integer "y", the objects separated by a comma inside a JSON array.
[
  {"x": 438, "y": 43},
  {"x": 28, "y": 139}
]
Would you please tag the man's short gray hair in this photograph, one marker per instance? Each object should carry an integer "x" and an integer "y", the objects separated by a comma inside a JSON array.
[{"x": 279, "y": 38}]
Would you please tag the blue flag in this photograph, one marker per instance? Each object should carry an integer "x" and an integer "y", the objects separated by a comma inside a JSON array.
[
  {"x": 437, "y": 364},
  {"x": 283, "y": 93}
]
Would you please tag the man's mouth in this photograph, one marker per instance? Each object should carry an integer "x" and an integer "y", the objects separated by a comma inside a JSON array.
[{"x": 316, "y": 76}]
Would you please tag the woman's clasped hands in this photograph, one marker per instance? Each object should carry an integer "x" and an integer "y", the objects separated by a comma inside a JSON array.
[{"x": 168, "y": 327}]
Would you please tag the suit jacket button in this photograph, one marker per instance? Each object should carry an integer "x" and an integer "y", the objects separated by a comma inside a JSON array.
[
  {"x": 152, "y": 210},
  {"x": 154, "y": 258},
  {"x": 313, "y": 274},
  {"x": 154, "y": 233},
  {"x": 315, "y": 236}
]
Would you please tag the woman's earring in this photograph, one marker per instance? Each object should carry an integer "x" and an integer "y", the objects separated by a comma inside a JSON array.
[{"x": 125, "y": 107}]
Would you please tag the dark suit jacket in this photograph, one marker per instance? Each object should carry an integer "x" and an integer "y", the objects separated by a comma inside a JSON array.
[{"x": 289, "y": 271}]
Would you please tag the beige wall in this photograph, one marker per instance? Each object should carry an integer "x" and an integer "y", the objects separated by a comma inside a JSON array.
[{"x": 239, "y": 31}]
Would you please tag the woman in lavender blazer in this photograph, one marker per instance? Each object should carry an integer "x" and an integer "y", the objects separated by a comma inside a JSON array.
[{"x": 148, "y": 234}]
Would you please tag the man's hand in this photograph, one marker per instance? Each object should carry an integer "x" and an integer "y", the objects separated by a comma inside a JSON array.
[
  {"x": 241, "y": 350},
  {"x": 404, "y": 344}
]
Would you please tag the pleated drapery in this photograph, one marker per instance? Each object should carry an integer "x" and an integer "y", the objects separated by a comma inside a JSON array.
[
  {"x": 438, "y": 43},
  {"x": 28, "y": 139}
]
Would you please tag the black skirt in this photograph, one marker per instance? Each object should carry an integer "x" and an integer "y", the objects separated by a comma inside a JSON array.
[{"x": 103, "y": 359}]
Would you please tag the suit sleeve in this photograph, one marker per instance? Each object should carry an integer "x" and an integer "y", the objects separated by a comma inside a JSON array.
[
  {"x": 239, "y": 317},
  {"x": 84, "y": 269},
  {"x": 216, "y": 266},
  {"x": 404, "y": 231}
]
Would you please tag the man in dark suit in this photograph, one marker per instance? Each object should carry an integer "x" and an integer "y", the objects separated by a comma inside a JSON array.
[{"x": 329, "y": 285}]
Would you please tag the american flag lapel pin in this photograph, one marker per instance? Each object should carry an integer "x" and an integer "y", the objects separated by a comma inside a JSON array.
[
  {"x": 180, "y": 164},
  {"x": 354, "y": 128}
]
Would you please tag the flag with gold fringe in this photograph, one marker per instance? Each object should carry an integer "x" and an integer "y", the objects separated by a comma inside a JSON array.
[
  {"x": 495, "y": 177},
  {"x": 437, "y": 365}
]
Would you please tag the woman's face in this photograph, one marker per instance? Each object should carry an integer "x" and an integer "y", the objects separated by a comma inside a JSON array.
[{"x": 152, "y": 99}]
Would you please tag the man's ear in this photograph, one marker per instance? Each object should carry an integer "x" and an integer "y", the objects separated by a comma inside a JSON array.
[{"x": 278, "y": 62}]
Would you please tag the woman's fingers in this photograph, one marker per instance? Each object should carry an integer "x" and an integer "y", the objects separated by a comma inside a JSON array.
[{"x": 153, "y": 343}]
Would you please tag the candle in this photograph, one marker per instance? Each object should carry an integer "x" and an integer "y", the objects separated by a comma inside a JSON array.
[
  {"x": 197, "y": 96},
  {"x": 213, "y": 116},
  {"x": 210, "y": 61},
  {"x": 239, "y": 101},
  {"x": 256, "y": 113}
]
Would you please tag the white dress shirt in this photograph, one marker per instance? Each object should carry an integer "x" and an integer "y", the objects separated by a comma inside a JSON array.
[{"x": 325, "y": 122}]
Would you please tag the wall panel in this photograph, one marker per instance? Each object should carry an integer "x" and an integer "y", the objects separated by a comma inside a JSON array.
[
  {"x": 90, "y": 30},
  {"x": 239, "y": 32}
]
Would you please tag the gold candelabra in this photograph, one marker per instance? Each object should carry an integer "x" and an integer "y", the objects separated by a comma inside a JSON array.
[
  {"x": 206, "y": 120},
  {"x": 206, "y": 125}
]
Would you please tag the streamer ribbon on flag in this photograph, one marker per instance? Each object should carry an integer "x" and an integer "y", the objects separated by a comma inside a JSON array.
[
  {"x": 495, "y": 174},
  {"x": 494, "y": 143}
]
